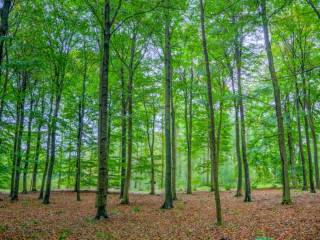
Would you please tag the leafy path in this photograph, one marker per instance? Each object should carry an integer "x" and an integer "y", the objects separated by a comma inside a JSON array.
[{"x": 192, "y": 217}]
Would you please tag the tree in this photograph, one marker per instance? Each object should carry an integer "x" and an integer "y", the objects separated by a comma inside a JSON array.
[
  {"x": 211, "y": 116},
  {"x": 286, "y": 199}
]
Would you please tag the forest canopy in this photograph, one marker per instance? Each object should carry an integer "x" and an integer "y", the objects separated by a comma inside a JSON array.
[{"x": 159, "y": 96}]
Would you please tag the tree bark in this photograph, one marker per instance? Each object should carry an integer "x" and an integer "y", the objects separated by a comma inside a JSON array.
[
  {"x": 80, "y": 130},
  {"x": 45, "y": 171},
  {"x": 123, "y": 133},
  {"x": 188, "y": 95},
  {"x": 38, "y": 146},
  {"x": 237, "y": 132},
  {"x": 168, "y": 203},
  {"x": 211, "y": 114},
  {"x": 47, "y": 193},
  {"x": 173, "y": 147},
  {"x": 125, "y": 198},
  {"x": 286, "y": 199},
  {"x": 26, "y": 163},
  {"x": 103, "y": 115},
  {"x": 18, "y": 150},
  {"x": 238, "y": 46}
]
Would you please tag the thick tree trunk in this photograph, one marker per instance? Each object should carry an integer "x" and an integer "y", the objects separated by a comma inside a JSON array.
[
  {"x": 38, "y": 145},
  {"x": 211, "y": 114},
  {"x": 26, "y": 163},
  {"x": 286, "y": 199},
  {"x": 238, "y": 46},
  {"x": 18, "y": 150},
  {"x": 168, "y": 203},
  {"x": 103, "y": 115},
  {"x": 123, "y": 134}
]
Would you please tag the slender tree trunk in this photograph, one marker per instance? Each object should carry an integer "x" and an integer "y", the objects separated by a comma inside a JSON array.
[
  {"x": 103, "y": 115},
  {"x": 123, "y": 134},
  {"x": 286, "y": 199},
  {"x": 18, "y": 150},
  {"x": 125, "y": 198},
  {"x": 38, "y": 145},
  {"x": 80, "y": 130},
  {"x": 188, "y": 122},
  {"x": 173, "y": 148},
  {"x": 238, "y": 46},
  {"x": 168, "y": 203},
  {"x": 306, "y": 128},
  {"x": 46, "y": 197},
  {"x": 290, "y": 142},
  {"x": 314, "y": 141},
  {"x": 4, "y": 89},
  {"x": 301, "y": 151},
  {"x": 237, "y": 132},
  {"x": 26, "y": 163},
  {"x": 45, "y": 171},
  {"x": 211, "y": 113}
]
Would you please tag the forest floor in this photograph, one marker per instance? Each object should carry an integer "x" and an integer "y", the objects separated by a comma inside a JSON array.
[{"x": 192, "y": 218}]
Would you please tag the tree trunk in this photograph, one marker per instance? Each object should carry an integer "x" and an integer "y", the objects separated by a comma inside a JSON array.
[
  {"x": 45, "y": 171},
  {"x": 301, "y": 151},
  {"x": 168, "y": 203},
  {"x": 314, "y": 141},
  {"x": 173, "y": 148},
  {"x": 18, "y": 150},
  {"x": 26, "y": 163},
  {"x": 123, "y": 133},
  {"x": 211, "y": 114},
  {"x": 46, "y": 197},
  {"x": 125, "y": 198},
  {"x": 238, "y": 50},
  {"x": 286, "y": 199},
  {"x": 237, "y": 132},
  {"x": 80, "y": 130},
  {"x": 290, "y": 142},
  {"x": 103, "y": 115},
  {"x": 38, "y": 145},
  {"x": 188, "y": 122}
]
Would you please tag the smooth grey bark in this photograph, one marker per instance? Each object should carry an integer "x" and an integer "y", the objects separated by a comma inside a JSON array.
[{"x": 211, "y": 114}]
